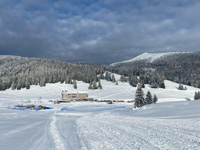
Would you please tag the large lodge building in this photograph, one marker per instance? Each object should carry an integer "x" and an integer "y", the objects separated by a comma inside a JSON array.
[{"x": 74, "y": 96}]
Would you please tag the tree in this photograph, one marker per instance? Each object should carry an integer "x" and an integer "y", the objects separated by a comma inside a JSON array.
[
  {"x": 122, "y": 78},
  {"x": 75, "y": 84},
  {"x": 139, "y": 98},
  {"x": 107, "y": 76},
  {"x": 113, "y": 78},
  {"x": 116, "y": 83},
  {"x": 95, "y": 85},
  {"x": 142, "y": 85},
  {"x": 99, "y": 85},
  {"x": 90, "y": 86},
  {"x": 13, "y": 86},
  {"x": 197, "y": 95},
  {"x": 180, "y": 87},
  {"x": 148, "y": 99},
  {"x": 162, "y": 85},
  {"x": 155, "y": 99}
]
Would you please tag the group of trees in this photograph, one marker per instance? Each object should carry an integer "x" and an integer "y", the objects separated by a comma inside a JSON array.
[
  {"x": 93, "y": 85},
  {"x": 197, "y": 95},
  {"x": 19, "y": 72},
  {"x": 141, "y": 101},
  {"x": 142, "y": 80},
  {"x": 180, "y": 87},
  {"x": 108, "y": 76},
  {"x": 182, "y": 68}
]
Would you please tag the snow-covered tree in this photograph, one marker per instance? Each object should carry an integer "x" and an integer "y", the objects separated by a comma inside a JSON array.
[
  {"x": 113, "y": 78},
  {"x": 180, "y": 87},
  {"x": 162, "y": 85},
  {"x": 99, "y": 84},
  {"x": 197, "y": 95},
  {"x": 90, "y": 86},
  {"x": 95, "y": 85},
  {"x": 75, "y": 84},
  {"x": 139, "y": 98},
  {"x": 148, "y": 99},
  {"x": 155, "y": 99}
]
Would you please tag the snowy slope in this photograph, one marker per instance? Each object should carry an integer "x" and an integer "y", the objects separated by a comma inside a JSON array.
[
  {"x": 150, "y": 57},
  {"x": 123, "y": 91},
  {"x": 173, "y": 123}
]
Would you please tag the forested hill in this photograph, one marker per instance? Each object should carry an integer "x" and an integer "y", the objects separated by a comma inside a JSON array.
[
  {"x": 21, "y": 72},
  {"x": 182, "y": 67}
]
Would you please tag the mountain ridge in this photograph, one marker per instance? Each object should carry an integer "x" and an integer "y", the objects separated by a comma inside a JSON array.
[{"x": 148, "y": 57}]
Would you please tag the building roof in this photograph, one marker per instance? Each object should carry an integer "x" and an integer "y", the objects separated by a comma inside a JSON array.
[{"x": 74, "y": 92}]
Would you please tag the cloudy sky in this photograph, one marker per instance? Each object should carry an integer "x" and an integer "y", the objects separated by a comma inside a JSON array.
[{"x": 101, "y": 31}]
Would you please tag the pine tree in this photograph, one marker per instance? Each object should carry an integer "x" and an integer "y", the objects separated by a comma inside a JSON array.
[
  {"x": 195, "y": 96},
  {"x": 107, "y": 76},
  {"x": 75, "y": 84},
  {"x": 113, "y": 78},
  {"x": 13, "y": 86},
  {"x": 139, "y": 98},
  {"x": 155, "y": 99},
  {"x": 162, "y": 85},
  {"x": 148, "y": 99},
  {"x": 122, "y": 78},
  {"x": 180, "y": 87},
  {"x": 99, "y": 85},
  {"x": 95, "y": 85},
  {"x": 142, "y": 85},
  {"x": 90, "y": 86}
]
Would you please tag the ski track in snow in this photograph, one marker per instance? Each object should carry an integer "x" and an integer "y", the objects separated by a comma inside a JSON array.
[
  {"x": 59, "y": 144},
  {"x": 107, "y": 131}
]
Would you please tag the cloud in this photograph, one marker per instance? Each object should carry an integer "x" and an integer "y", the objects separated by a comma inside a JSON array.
[{"x": 101, "y": 31}]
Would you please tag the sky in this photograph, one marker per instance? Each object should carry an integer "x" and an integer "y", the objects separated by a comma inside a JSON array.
[{"x": 98, "y": 31}]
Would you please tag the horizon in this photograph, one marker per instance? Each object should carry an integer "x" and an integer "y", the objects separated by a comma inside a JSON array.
[
  {"x": 103, "y": 63},
  {"x": 102, "y": 32}
]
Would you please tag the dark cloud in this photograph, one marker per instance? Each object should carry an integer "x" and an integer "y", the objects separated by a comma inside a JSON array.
[{"x": 102, "y": 31}]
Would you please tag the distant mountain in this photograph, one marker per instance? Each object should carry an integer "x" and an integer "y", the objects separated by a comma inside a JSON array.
[
  {"x": 147, "y": 57},
  {"x": 180, "y": 67}
]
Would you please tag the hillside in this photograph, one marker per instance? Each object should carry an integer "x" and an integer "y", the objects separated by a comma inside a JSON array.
[
  {"x": 148, "y": 57},
  {"x": 21, "y": 72},
  {"x": 181, "y": 68},
  {"x": 122, "y": 91}
]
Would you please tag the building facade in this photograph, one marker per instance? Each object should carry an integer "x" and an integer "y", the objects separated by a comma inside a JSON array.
[{"x": 74, "y": 96}]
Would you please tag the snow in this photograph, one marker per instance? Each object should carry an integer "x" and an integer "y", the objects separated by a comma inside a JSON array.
[
  {"x": 150, "y": 57},
  {"x": 173, "y": 123}
]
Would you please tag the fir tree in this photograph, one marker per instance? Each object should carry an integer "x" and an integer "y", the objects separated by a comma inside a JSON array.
[
  {"x": 113, "y": 78},
  {"x": 99, "y": 85},
  {"x": 148, "y": 99},
  {"x": 180, "y": 87},
  {"x": 90, "y": 86},
  {"x": 162, "y": 85},
  {"x": 95, "y": 85},
  {"x": 75, "y": 84},
  {"x": 155, "y": 99},
  {"x": 139, "y": 98}
]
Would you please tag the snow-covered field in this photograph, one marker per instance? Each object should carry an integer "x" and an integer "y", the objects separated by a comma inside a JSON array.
[{"x": 173, "y": 123}]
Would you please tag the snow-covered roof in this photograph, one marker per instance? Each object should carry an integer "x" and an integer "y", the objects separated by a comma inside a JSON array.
[{"x": 74, "y": 92}]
